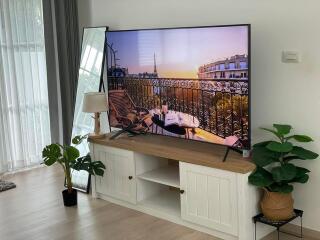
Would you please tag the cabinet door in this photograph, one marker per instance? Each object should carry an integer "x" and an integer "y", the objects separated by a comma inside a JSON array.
[
  {"x": 119, "y": 178},
  {"x": 209, "y": 197}
]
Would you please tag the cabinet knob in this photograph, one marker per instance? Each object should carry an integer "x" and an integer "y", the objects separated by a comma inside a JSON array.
[
  {"x": 182, "y": 191},
  {"x": 130, "y": 177}
]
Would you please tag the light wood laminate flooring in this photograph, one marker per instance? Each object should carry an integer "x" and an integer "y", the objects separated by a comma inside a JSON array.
[{"x": 34, "y": 211}]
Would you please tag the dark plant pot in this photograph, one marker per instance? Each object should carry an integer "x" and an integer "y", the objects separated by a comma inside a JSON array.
[{"x": 70, "y": 199}]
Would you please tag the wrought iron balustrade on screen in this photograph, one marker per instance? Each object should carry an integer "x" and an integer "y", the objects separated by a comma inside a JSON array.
[{"x": 220, "y": 105}]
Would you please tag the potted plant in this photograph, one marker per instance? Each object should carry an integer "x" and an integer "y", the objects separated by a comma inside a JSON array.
[
  {"x": 275, "y": 171},
  {"x": 69, "y": 158}
]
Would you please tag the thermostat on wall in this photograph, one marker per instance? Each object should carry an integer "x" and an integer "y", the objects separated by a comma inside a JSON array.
[{"x": 290, "y": 57}]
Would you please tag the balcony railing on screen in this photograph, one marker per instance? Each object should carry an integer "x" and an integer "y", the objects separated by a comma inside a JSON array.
[{"x": 220, "y": 105}]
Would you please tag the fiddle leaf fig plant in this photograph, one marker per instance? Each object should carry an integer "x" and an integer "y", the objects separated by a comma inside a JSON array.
[
  {"x": 275, "y": 170},
  {"x": 69, "y": 158}
]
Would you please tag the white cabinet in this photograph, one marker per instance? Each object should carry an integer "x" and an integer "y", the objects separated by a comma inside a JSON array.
[
  {"x": 215, "y": 201},
  {"x": 209, "y": 198},
  {"x": 119, "y": 177}
]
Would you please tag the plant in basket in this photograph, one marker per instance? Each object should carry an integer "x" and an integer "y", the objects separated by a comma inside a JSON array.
[{"x": 276, "y": 172}]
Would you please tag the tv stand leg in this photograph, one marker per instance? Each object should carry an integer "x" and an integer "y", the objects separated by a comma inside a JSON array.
[
  {"x": 117, "y": 134},
  {"x": 125, "y": 130},
  {"x": 228, "y": 150},
  {"x": 226, "y": 154}
]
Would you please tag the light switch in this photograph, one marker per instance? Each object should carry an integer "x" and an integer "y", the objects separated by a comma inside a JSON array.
[{"x": 290, "y": 57}]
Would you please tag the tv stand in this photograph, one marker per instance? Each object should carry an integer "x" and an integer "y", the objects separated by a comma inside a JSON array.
[
  {"x": 228, "y": 150},
  {"x": 181, "y": 181}
]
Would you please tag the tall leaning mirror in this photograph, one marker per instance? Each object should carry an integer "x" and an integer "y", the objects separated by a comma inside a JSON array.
[{"x": 91, "y": 67}]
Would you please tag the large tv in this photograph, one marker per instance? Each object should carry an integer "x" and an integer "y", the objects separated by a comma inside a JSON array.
[{"x": 191, "y": 83}]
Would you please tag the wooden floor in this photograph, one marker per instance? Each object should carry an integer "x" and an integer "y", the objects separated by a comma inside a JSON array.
[{"x": 34, "y": 211}]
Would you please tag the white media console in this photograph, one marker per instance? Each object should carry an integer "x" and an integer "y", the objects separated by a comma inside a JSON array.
[{"x": 181, "y": 181}]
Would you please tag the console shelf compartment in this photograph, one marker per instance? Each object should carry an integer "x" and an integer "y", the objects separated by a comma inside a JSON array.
[
  {"x": 168, "y": 175},
  {"x": 167, "y": 201}
]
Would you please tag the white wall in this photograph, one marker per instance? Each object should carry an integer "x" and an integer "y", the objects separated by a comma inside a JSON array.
[
  {"x": 84, "y": 11},
  {"x": 284, "y": 93}
]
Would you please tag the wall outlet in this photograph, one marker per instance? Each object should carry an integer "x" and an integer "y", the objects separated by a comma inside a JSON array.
[
  {"x": 290, "y": 57},
  {"x": 246, "y": 153}
]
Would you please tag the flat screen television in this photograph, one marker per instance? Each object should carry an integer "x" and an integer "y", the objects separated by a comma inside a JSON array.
[{"x": 191, "y": 83}]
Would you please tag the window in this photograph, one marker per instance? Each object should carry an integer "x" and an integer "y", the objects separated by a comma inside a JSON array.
[
  {"x": 24, "y": 107},
  {"x": 243, "y": 65},
  {"x": 232, "y": 65}
]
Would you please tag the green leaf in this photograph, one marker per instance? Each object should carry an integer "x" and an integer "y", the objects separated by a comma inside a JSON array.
[
  {"x": 280, "y": 147},
  {"x": 281, "y": 188},
  {"x": 272, "y": 131},
  {"x": 98, "y": 168},
  {"x": 302, "y": 179},
  {"x": 301, "y": 175},
  {"x": 300, "y": 138},
  {"x": 304, "y": 154},
  {"x": 260, "y": 177},
  {"x": 82, "y": 163},
  {"x": 301, "y": 171},
  {"x": 289, "y": 158},
  {"x": 285, "y": 172},
  {"x": 282, "y": 129},
  {"x": 85, "y": 163},
  {"x": 78, "y": 139},
  {"x": 71, "y": 153},
  {"x": 51, "y": 154},
  {"x": 262, "y": 156},
  {"x": 98, "y": 164},
  {"x": 91, "y": 172},
  {"x": 98, "y": 171}
]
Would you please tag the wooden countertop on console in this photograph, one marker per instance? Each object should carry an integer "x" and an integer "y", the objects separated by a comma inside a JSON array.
[{"x": 199, "y": 153}]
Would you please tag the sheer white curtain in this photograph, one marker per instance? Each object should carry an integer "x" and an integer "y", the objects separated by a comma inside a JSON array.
[{"x": 24, "y": 113}]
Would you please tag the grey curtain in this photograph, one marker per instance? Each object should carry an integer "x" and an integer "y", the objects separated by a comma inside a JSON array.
[{"x": 63, "y": 58}]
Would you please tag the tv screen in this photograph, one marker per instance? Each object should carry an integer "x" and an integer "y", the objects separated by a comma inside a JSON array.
[{"x": 190, "y": 83}]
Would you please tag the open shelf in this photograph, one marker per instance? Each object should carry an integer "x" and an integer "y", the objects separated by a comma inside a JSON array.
[
  {"x": 167, "y": 201},
  {"x": 168, "y": 175}
]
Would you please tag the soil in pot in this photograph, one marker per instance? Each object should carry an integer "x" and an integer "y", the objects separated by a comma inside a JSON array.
[
  {"x": 70, "y": 198},
  {"x": 277, "y": 206}
]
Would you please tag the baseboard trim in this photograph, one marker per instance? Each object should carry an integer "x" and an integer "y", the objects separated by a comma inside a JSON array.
[{"x": 7, "y": 174}]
